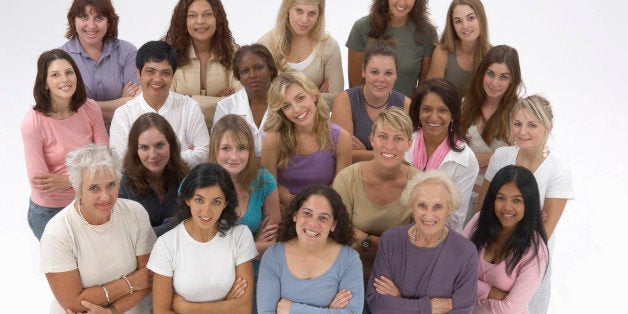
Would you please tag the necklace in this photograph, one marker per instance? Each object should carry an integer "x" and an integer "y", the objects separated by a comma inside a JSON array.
[
  {"x": 101, "y": 228},
  {"x": 413, "y": 236},
  {"x": 375, "y": 107}
]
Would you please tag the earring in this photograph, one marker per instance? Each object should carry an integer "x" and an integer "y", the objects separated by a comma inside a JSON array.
[
  {"x": 545, "y": 151},
  {"x": 451, "y": 126}
]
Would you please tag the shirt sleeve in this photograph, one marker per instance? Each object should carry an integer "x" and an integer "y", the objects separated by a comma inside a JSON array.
[
  {"x": 198, "y": 135},
  {"x": 342, "y": 186},
  {"x": 130, "y": 70},
  {"x": 466, "y": 285},
  {"x": 221, "y": 110},
  {"x": 269, "y": 280},
  {"x": 494, "y": 164},
  {"x": 357, "y": 37},
  {"x": 33, "y": 146},
  {"x": 333, "y": 68},
  {"x": 244, "y": 248},
  {"x": 464, "y": 177},
  {"x": 119, "y": 132},
  {"x": 56, "y": 252},
  {"x": 145, "y": 235},
  {"x": 560, "y": 186},
  {"x": 96, "y": 121},
  {"x": 161, "y": 259}
]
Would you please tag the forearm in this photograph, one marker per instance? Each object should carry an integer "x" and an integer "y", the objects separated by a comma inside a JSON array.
[
  {"x": 240, "y": 305},
  {"x": 262, "y": 247},
  {"x": 108, "y": 107},
  {"x": 128, "y": 301},
  {"x": 361, "y": 155}
]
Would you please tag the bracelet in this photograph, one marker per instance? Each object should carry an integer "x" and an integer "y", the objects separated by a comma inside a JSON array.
[
  {"x": 129, "y": 283},
  {"x": 106, "y": 294}
]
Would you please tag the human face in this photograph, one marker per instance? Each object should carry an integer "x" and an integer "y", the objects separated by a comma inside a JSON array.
[
  {"x": 155, "y": 79},
  {"x": 465, "y": 23},
  {"x": 98, "y": 195},
  {"x": 153, "y": 150},
  {"x": 529, "y": 134},
  {"x": 232, "y": 156},
  {"x": 509, "y": 206},
  {"x": 91, "y": 27},
  {"x": 61, "y": 81},
  {"x": 299, "y": 106},
  {"x": 435, "y": 117},
  {"x": 201, "y": 21},
  {"x": 206, "y": 206},
  {"x": 496, "y": 80},
  {"x": 389, "y": 145},
  {"x": 254, "y": 74},
  {"x": 314, "y": 220},
  {"x": 379, "y": 75},
  {"x": 430, "y": 208},
  {"x": 302, "y": 18},
  {"x": 399, "y": 9}
]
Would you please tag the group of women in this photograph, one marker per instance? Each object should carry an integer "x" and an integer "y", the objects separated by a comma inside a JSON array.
[{"x": 427, "y": 186}]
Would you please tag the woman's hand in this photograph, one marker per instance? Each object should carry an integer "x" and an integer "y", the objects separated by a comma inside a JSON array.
[
  {"x": 284, "y": 195},
  {"x": 497, "y": 294},
  {"x": 51, "y": 182},
  {"x": 228, "y": 91},
  {"x": 324, "y": 88},
  {"x": 283, "y": 306},
  {"x": 266, "y": 231},
  {"x": 237, "y": 289},
  {"x": 543, "y": 215},
  {"x": 93, "y": 308},
  {"x": 357, "y": 144},
  {"x": 341, "y": 300},
  {"x": 130, "y": 89},
  {"x": 141, "y": 279},
  {"x": 385, "y": 286},
  {"x": 442, "y": 305}
]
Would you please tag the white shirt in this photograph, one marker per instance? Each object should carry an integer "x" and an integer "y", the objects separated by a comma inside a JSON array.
[
  {"x": 238, "y": 104},
  {"x": 183, "y": 114}
]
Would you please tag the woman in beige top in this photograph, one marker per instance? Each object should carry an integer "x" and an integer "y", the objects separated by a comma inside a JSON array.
[
  {"x": 371, "y": 190},
  {"x": 199, "y": 32}
]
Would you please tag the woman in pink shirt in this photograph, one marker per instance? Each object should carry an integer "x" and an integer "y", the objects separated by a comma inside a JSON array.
[
  {"x": 512, "y": 245},
  {"x": 62, "y": 120}
]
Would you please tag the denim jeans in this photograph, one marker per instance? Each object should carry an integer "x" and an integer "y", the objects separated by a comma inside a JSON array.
[{"x": 38, "y": 217}]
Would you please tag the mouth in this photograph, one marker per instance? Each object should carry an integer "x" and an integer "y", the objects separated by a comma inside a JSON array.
[
  {"x": 310, "y": 233},
  {"x": 90, "y": 34},
  {"x": 467, "y": 33},
  {"x": 429, "y": 222},
  {"x": 401, "y": 8},
  {"x": 156, "y": 86},
  {"x": 66, "y": 88},
  {"x": 205, "y": 219},
  {"x": 201, "y": 29},
  {"x": 303, "y": 115},
  {"x": 434, "y": 125},
  {"x": 388, "y": 155}
]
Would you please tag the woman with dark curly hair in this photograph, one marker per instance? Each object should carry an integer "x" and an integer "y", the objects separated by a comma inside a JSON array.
[
  {"x": 312, "y": 268},
  {"x": 204, "y": 264},
  {"x": 407, "y": 23},
  {"x": 200, "y": 34}
]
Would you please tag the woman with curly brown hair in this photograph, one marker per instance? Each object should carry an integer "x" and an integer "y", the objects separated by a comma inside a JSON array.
[
  {"x": 312, "y": 269},
  {"x": 405, "y": 21},
  {"x": 200, "y": 34}
]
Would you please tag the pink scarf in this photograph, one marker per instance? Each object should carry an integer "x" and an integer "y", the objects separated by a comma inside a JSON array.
[{"x": 419, "y": 155}]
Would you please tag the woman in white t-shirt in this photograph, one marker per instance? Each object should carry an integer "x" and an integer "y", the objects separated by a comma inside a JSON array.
[{"x": 204, "y": 264}]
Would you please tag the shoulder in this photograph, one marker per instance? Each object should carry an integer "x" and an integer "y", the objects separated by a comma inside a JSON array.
[
  {"x": 328, "y": 43},
  {"x": 125, "y": 45},
  {"x": 394, "y": 233},
  {"x": 363, "y": 22},
  {"x": 265, "y": 39},
  {"x": 458, "y": 243},
  {"x": 273, "y": 253},
  {"x": 131, "y": 208}
]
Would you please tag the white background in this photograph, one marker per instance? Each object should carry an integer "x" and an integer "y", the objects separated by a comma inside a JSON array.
[{"x": 567, "y": 51}]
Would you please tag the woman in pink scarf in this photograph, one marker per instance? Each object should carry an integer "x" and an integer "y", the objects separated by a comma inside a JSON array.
[{"x": 439, "y": 142}]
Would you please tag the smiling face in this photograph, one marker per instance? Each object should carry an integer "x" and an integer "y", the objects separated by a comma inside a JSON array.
[
  {"x": 206, "y": 206},
  {"x": 155, "y": 80},
  {"x": 430, "y": 208},
  {"x": 314, "y": 220},
  {"x": 529, "y": 134},
  {"x": 496, "y": 80},
  {"x": 255, "y": 75},
  {"x": 379, "y": 75},
  {"x": 400, "y": 9},
  {"x": 231, "y": 155},
  {"x": 435, "y": 117},
  {"x": 61, "y": 81},
  {"x": 509, "y": 206},
  {"x": 91, "y": 27},
  {"x": 299, "y": 106},
  {"x": 153, "y": 150},
  {"x": 302, "y": 18},
  {"x": 389, "y": 145},
  {"x": 201, "y": 22},
  {"x": 465, "y": 23},
  {"x": 98, "y": 195}
]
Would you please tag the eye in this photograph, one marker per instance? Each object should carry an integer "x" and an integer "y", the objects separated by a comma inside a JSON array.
[
  {"x": 517, "y": 200},
  {"x": 500, "y": 198},
  {"x": 208, "y": 14},
  {"x": 324, "y": 218},
  {"x": 143, "y": 147},
  {"x": 92, "y": 188},
  {"x": 517, "y": 124},
  {"x": 69, "y": 72},
  {"x": 389, "y": 73},
  {"x": 301, "y": 98},
  {"x": 217, "y": 202},
  {"x": 99, "y": 18},
  {"x": 532, "y": 125},
  {"x": 382, "y": 136},
  {"x": 166, "y": 73},
  {"x": 312, "y": 14},
  {"x": 443, "y": 110},
  {"x": 421, "y": 206},
  {"x": 191, "y": 16},
  {"x": 160, "y": 145},
  {"x": 307, "y": 214},
  {"x": 457, "y": 21},
  {"x": 374, "y": 72},
  {"x": 112, "y": 185},
  {"x": 242, "y": 148},
  {"x": 55, "y": 75},
  {"x": 299, "y": 11},
  {"x": 83, "y": 17},
  {"x": 286, "y": 106},
  {"x": 399, "y": 138},
  {"x": 504, "y": 78},
  {"x": 425, "y": 109},
  {"x": 198, "y": 200},
  {"x": 490, "y": 74},
  {"x": 438, "y": 207},
  {"x": 471, "y": 18},
  {"x": 259, "y": 67},
  {"x": 225, "y": 148}
]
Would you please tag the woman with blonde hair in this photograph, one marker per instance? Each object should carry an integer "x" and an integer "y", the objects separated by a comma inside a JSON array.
[
  {"x": 463, "y": 44},
  {"x": 299, "y": 42},
  {"x": 301, "y": 147}
]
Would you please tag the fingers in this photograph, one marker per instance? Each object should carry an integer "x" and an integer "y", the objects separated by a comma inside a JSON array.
[
  {"x": 341, "y": 300},
  {"x": 226, "y": 92},
  {"x": 130, "y": 89},
  {"x": 357, "y": 144},
  {"x": 324, "y": 88},
  {"x": 237, "y": 289}
]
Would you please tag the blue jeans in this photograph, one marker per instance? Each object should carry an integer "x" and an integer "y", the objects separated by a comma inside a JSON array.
[{"x": 38, "y": 217}]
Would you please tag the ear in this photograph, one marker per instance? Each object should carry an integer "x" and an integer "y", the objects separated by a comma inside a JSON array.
[
  {"x": 187, "y": 202},
  {"x": 363, "y": 72},
  {"x": 333, "y": 226},
  {"x": 139, "y": 73}
]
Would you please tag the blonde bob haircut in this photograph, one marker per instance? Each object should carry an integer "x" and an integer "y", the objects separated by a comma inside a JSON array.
[
  {"x": 539, "y": 109},
  {"x": 395, "y": 118},
  {"x": 449, "y": 37},
  {"x": 278, "y": 122},
  {"x": 281, "y": 36},
  {"x": 433, "y": 176}
]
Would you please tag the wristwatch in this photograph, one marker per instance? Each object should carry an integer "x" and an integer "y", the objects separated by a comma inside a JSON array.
[{"x": 366, "y": 243}]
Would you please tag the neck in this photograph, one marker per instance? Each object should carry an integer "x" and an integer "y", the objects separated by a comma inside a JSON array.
[
  {"x": 199, "y": 234},
  {"x": 433, "y": 142},
  {"x": 428, "y": 240},
  {"x": 258, "y": 97},
  {"x": 531, "y": 155},
  {"x": 201, "y": 47},
  {"x": 300, "y": 38},
  {"x": 468, "y": 47},
  {"x": 155, "y": 102},
  {"x": 315, "y": 249},
  {"x": 398, "y": 21},
  {"x": 373, "y": 101},
  {"x": 60, "y": 107},
  {"x": 384, "y": 173},
  {"x": 92, "y": 49}
]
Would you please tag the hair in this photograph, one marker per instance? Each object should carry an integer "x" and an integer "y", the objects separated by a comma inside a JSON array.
[
  {"x": 280, "y": 41},
  {"x": 241, "y": 134},
  {"x": 222, "y": 43},
  {"x": 202, "y": 176},
  {"x": 498, "y": 125},
  {"x": 343, "y": 232},
  {"x": 379, "y": 18},
  {"x": 278, "y": 122},
  {"x": 525, "y": 236},
  {"x": 102, "y": 7},
  {"x": 381, "y": 48},
  {"x": 136, "y": 172},
  {"x": 449, "y": 37},
  {"x": 447, "y": 92},
  {"x": 41, "y": 93},
  {"x": 258, "y": 50},
  {"x": 539, "y": 109},
  {"x": 433, "y": 176},
  {"x": 156, "y": 51},
  {"x": 395, "y": 118},
  {"x": 91, "y": 159}
]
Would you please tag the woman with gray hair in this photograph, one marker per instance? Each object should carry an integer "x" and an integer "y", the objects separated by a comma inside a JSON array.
[
  {"x": 94, "y": 252},
  {"x": 425, "y": 266}
]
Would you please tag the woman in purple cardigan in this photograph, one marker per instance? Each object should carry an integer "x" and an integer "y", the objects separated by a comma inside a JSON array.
[{"x": 425, "y": 267}]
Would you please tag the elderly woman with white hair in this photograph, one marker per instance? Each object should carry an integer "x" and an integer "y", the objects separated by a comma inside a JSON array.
[
  {"x": 94, "y": 252},
  {"x": 425, "y": 266}
]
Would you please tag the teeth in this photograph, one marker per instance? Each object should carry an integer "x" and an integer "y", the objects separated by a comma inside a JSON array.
[
  {"x": 310, "y": 233},
  {"x": 206, "y": 218},
  {"x": 301, "y": 116},
  {"x": 388, "y": 155},
  {"x": 434, "y": 124},
  {"x": 429, "y": 222},
  {"x": 400, "y": 8}
]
